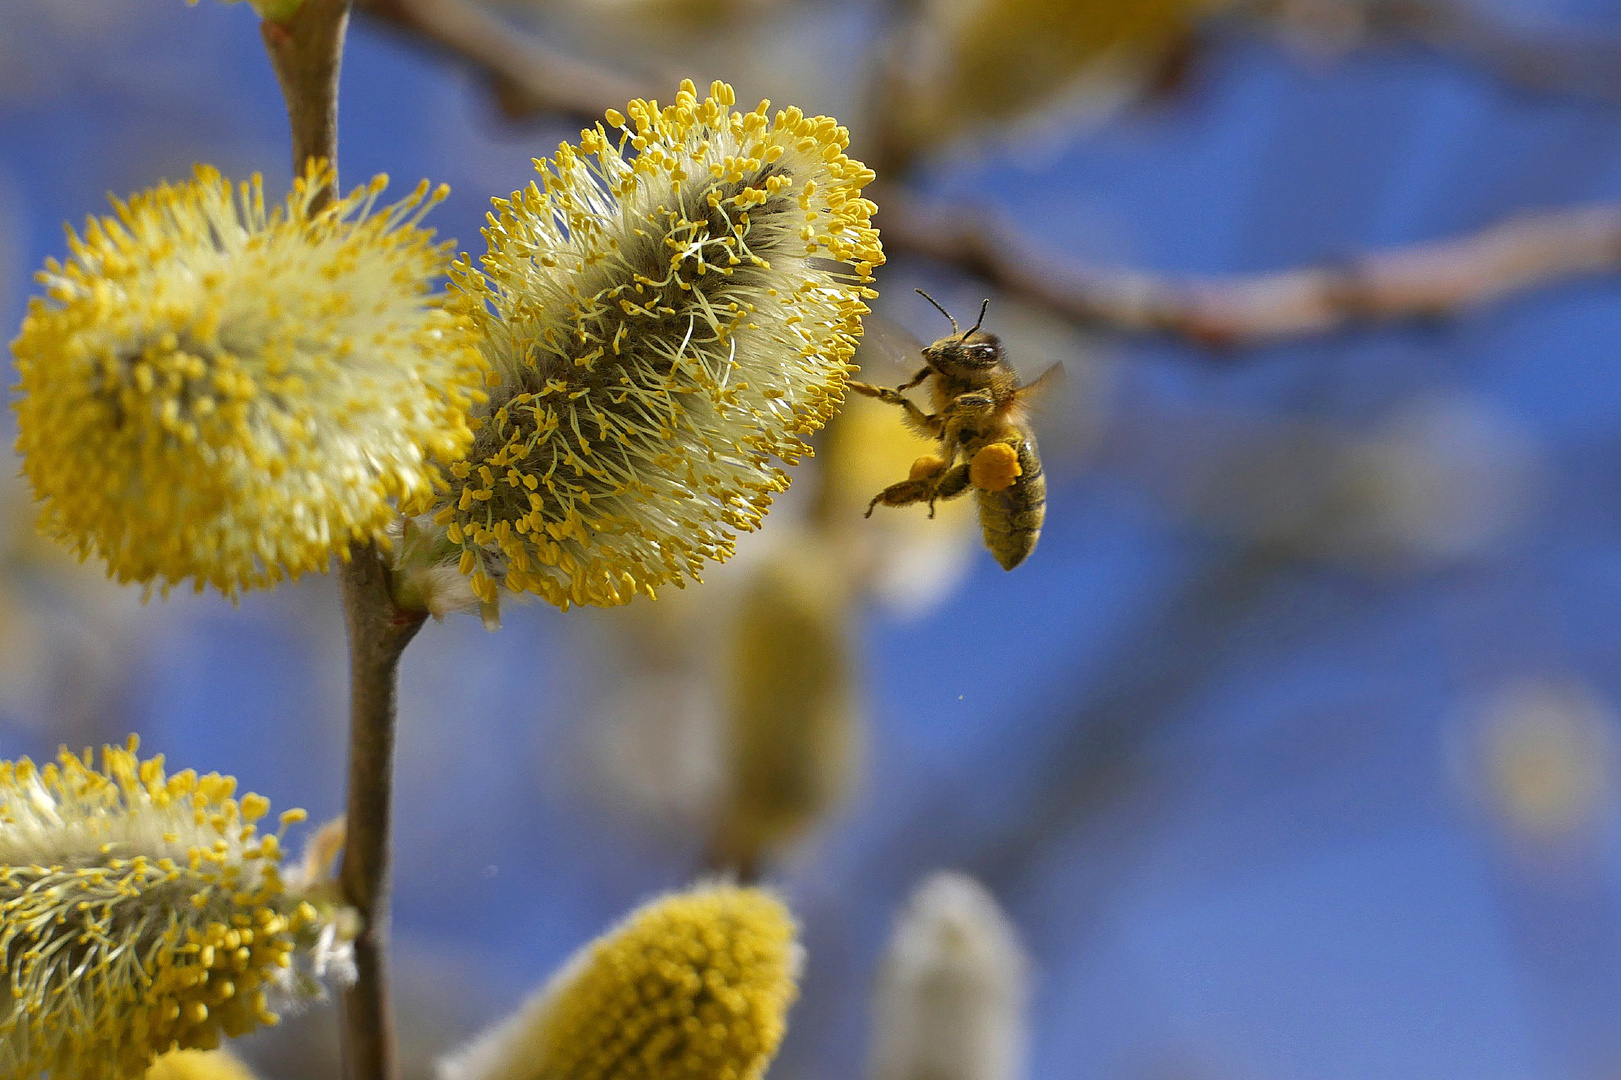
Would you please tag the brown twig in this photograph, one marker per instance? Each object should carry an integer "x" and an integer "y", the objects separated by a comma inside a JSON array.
[
  {"x": 378, "y": 634},
  {"x": 528, "y": 77},
  {"x": 307, "y": 52},
  {"x": 1425, "y": 281}
]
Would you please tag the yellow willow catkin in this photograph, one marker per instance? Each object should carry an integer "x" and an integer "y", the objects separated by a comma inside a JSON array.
[
  {"x": 979, "y": 62},
  {"x": 691, "y": 986},
  {"x": 228, "y": 394},
  {"x": 909, "y": 562},
  {"x": 666, "y": 314},
  {"x": 792, "y": 731},
  {"x": 141, "y": 913},
  {"x": 198, "y": 1065}
]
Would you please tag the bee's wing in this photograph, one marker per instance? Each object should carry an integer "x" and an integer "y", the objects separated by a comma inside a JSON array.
[
  {"x": 887, "y": 349},
  {"x": 1053, "y": 381}
]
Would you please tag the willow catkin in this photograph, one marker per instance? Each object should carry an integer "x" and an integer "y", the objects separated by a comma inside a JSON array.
[
  {"x": 791, "y": 729},
  {"x": 975, "y": 63},
  {"x": 198, "y": 1065},
  {"x": 666, "y": 313},
  {"x": 142, "y": 912},
  {"x": 691, "y": 986},
  {"x": 226, "y": 393},
  {"x": 951, "y": 996}
]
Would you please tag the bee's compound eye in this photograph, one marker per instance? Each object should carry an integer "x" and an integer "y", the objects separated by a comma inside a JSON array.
[{"x": 984, "y": 352}]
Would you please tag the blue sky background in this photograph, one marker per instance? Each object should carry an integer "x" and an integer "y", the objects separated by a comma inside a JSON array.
[{"x": 1236, "y": 790}]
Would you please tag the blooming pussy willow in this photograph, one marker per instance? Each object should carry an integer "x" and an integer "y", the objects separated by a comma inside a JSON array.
[
  {"x": 692, "y": 986},
  {"x": 216, "y": 391},
  {"x": 142, "y": 913},
  {"x": 665, "y": 327}
]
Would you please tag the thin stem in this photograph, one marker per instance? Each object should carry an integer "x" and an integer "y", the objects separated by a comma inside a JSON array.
[
  {"x": 307, "y": 53},
  {"x": 378, "y": 633}
]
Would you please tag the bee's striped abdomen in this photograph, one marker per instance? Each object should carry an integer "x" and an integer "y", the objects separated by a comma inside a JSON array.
[{"x": 1011, "y": 518}]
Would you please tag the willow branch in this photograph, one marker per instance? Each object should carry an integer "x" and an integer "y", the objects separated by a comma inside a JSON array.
[
  {"x": 378, "y": 634},
  {"x": 1422, "y": 282},
  {"x": 307, "y": 52},
  {"x": 528, "y": 76}
]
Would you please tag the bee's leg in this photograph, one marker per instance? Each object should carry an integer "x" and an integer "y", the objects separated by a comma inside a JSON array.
[
  {"x": 904, "y": 493},
  {"x": 948, "y": 486},
  {"x": 924, "y": 422},
  {"x": 918, "y": 487},
  {"x": 916, "y": 379}
]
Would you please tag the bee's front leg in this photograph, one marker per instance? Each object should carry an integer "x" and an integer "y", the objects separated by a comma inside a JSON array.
[
  {"x": 922, "y": 421},
  {"x": 916, "y": 379}
]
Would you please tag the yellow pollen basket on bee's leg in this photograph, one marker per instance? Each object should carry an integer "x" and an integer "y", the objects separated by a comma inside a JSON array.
[
  {"x": 927, "y": 466},
  {"x": 995, "y": 467}
]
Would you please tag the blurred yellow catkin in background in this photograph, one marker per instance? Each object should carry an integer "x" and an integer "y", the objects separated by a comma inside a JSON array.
[
  {"x": 1539, "y": 755},
  {"x": 274, "y": 10},
  {"x": 198, "y": 1065},
  {"x": 907, "y": 561},
  {"x": 792, "y": 727},
  {"x": 966, "y": 64},
  {"x": 691, "y": 986}
]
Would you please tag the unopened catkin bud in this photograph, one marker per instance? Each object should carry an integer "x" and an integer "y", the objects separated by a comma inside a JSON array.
[
  {"x": 692, "y": 986},
  {"x": 792, "y": 728},
  {"x": 951, "y": 995}
]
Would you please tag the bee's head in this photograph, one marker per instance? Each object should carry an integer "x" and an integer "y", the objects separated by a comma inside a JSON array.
[
  {"x": 977, "y": 350},
  {"x": 964, "y": 352}
]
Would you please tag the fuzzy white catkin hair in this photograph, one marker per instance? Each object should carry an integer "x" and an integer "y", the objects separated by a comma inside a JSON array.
[{"x": 952, "y": 991}]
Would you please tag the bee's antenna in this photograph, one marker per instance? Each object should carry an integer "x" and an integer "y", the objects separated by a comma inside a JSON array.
[
  {"x": 941, "y": 310},
  {"x": 983, "y": 308}
]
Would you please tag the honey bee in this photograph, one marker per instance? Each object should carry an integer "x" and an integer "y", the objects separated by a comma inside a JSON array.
[{"x": 980, "y": 421}]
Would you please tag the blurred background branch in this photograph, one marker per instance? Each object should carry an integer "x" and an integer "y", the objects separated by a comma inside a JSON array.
[
  {"x": 527, "y": 76},
  {"x": 1428, "y": 282}
]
